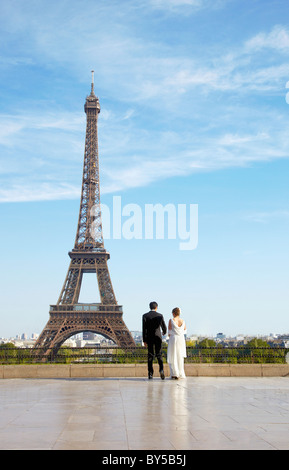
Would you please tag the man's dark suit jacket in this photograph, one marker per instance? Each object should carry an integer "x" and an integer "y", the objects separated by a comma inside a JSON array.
[{"x": 152, "y": 324}]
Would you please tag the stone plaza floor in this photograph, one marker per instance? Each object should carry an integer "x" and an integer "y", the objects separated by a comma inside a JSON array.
[{"x": 196, "y": 413}]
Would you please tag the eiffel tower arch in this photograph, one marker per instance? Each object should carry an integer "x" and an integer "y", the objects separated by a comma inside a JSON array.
[{"x": 69, "y": 317}]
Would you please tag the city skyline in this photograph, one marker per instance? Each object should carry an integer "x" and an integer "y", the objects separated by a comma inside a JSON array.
[{"x": 194, "y": 111}]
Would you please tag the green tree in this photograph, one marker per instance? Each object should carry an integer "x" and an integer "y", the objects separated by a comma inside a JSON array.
[
  {"x": 257, "y": 343},
  {"x": 8, "y": 353},
  {"x": 207, "y": 343},
  {"x": 261, "y": 352}
]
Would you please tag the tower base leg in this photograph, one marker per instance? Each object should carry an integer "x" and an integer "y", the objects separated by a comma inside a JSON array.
[{"x": 62, "y": 326}]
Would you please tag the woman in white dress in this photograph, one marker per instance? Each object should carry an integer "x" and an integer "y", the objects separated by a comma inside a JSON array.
[{"x": 177, "y": 345}]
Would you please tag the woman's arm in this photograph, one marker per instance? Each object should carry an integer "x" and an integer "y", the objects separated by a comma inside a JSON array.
[{"x": 170, "y": 327}]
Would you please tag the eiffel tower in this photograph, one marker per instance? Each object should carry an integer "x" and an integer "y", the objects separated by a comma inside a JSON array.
[{"x": 69, "y": 317}]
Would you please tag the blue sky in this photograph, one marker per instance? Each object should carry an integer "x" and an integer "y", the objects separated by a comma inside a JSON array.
[{"x": 193, "y": 111}]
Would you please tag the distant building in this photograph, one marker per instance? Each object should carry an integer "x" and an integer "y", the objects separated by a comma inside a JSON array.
[
  {"x": 88, "y": 336},
  {"x": 137, "y": 336},
  {"x": 220, "y": 336},
  {"x": 193, "y": 338},
  {"x": 239, "y": 338}
]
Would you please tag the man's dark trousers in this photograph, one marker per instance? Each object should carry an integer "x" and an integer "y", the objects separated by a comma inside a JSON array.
[
  {"x": 153, "y": 327},
  {"x": 155, "y": 350}
]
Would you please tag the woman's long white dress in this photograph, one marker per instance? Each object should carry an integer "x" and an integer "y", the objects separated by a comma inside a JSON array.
[{"x": 176, "y": 349}]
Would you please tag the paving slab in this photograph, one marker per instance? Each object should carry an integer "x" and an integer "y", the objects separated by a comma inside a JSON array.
[{"x": 197, "y": 413}]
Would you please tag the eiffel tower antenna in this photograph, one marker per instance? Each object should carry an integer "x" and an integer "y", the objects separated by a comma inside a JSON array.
[
  {"x": 92, "y": 82},
  {"x": 69, "y": 317}
]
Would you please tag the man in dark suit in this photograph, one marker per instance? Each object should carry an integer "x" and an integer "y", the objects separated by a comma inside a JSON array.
[{"x": 152, "y": 324}]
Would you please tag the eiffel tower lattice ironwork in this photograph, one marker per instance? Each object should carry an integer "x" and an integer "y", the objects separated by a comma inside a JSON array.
[{"x": 69, "y": 317}]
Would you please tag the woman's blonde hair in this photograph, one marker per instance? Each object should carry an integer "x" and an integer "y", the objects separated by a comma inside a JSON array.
[{"x": 176, "y": 311}]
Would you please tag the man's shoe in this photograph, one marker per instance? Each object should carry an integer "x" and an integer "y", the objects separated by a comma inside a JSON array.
[
  {"x": 162, "y": 374},
  {"x": 150, "y": 376}
]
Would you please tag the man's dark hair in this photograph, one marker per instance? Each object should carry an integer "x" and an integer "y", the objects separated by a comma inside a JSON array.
[{"x": 153, "y": 305}]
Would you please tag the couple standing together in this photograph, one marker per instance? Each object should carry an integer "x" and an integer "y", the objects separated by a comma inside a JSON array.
[{"x": 154, "y": 328}]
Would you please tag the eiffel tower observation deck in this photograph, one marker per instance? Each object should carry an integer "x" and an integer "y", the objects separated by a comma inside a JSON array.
[{"x": 69, "y": 317}]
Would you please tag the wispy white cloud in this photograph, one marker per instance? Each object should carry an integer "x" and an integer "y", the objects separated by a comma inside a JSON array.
[
  {"x": 8, "y": 129},
  {"x": 135, "y": 69},
  {"x": 24, "y": 192},
  {"x": 167, "y": 4},
  {"x": 238, "y": 70},
  {"x": 12, "y": 125},
  {"x": 146, "y": 79},
  {"x": 130, "y": 157},
  {"x": 235, "y": 139},
  {"x": 267, "y": 217},
  {"x": 181, "y": 157},
  {"x": 277, "y": 38},
  {"x": 180, "y": 5}
]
